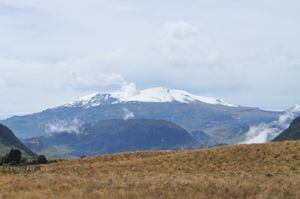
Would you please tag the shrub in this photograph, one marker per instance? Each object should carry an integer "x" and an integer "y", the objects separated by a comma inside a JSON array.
[
  {"x": 41, "y": 159},
  {"x": 34, "y": 161},
  {"x": 13, "y": 157},
  {"x": 23, "y": 160},
  {"x": 5, "y": 159}
]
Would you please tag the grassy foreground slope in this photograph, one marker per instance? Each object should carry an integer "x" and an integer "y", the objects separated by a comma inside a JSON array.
[{"x": 245, "y": 171}]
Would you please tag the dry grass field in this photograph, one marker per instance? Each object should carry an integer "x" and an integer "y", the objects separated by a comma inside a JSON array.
[{"x": 245, "y": 171}]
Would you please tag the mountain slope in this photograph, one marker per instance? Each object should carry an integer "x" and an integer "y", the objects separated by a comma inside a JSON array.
[
  {"x": 111, "y": 136},
  {"x": 8, "y": 140},
  {"x": 221, "y": 122},
  {"x": 292, "y": 133}
]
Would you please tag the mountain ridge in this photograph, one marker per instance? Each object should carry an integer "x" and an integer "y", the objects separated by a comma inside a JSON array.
[
  {"x": 155, "y": 94},
  {"x": 209, "y": 118}
]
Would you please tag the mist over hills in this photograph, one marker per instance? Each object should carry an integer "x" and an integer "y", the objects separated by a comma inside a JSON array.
[
  {"x": 292, "y": 133},
  {"x": 265, "y": 132}
]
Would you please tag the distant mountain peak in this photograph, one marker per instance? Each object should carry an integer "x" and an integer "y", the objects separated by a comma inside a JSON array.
[{"x": 155, "y": 95}]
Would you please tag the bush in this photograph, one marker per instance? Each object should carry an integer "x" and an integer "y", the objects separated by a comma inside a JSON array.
[
  {"x": 42, "y": 159},
  {"x": 13, "y": 157},
  {"x": 34, "y": 161},
  {"x": 23, "y": 160}
]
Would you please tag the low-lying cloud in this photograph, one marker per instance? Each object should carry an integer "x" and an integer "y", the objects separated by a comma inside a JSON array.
[
  {"x": 263, "y": 133},
  {"x": 127, "y": 114},
  {"x": 63, "y": 126}
]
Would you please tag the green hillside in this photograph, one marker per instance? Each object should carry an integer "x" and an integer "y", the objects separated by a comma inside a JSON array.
[{"x": 8, "y": 141}]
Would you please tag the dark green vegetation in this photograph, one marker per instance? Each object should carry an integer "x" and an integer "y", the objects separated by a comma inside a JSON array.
[
  {"x": 111, "y": 136},
  {"x": 14, "y": 158},
  {"x": 8, "y": 140},
  {"x": 14, "y": 153},
  {"x": 292, "y": 133},
  {"x": 214, "y": 123}
]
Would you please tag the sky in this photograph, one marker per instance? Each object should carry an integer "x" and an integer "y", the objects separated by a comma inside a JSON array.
[{"x": 244, "y": 51}]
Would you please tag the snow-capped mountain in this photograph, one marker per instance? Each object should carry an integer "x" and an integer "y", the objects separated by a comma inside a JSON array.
[
  {"x": 208, "y": 119},
  {"x": 157, "y": 94}
]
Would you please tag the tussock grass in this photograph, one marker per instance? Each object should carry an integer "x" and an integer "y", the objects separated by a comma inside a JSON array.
[
  {"x": 244, "y": 171},
  {"x": 6, "y": 169}
]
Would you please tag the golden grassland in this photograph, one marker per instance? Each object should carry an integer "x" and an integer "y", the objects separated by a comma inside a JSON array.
[{"x": 244, "y": 171}]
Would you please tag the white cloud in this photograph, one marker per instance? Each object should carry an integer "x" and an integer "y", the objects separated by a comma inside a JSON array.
[
  {"x": 128, "y": 89},
  {"x": 62, "y": 126},
  {"x": 263, "y": 133},
  {"x": 93, "y": 83},
  {"x": 126, "y": 8},
  {"x": 55, "y": 51},
  {"x": 127, "y": 114},
  {"x": 184, "y": 45},
  {"x": 41, "y": 86},
  {"x": 180, "y": 30}
]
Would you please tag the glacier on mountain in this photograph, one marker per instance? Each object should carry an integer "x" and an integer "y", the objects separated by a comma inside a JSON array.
[{"x": 157, "y": 95}]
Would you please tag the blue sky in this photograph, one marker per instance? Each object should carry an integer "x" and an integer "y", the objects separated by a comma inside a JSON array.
[{"x": 244, "y": 51}]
